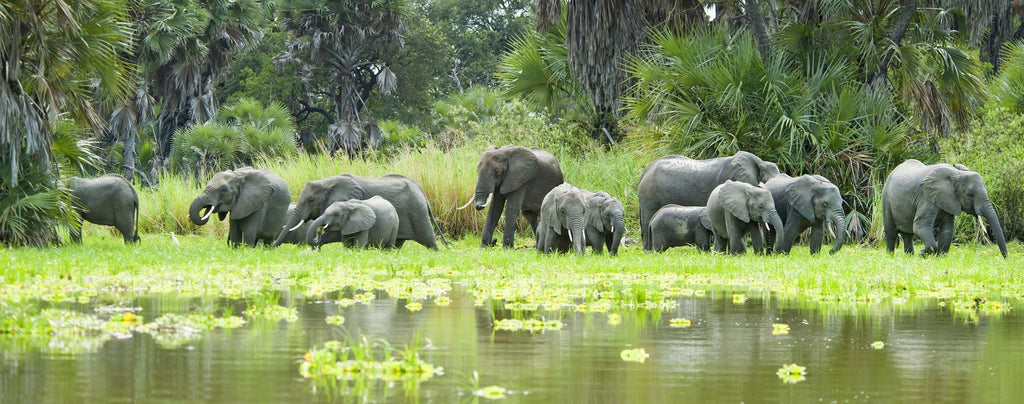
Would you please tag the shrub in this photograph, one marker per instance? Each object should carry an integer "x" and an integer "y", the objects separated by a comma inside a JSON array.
[{"x": 993, "y": 148}]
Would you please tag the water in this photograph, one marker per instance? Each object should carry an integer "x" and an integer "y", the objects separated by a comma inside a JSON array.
[{"x": 728, "y": 354}]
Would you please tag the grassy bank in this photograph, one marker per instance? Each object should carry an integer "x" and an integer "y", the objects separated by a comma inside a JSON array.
[{"x": 104, "y": 268}]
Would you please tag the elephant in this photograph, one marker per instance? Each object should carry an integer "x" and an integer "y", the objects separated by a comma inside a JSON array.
[
  {"x": 108, "y": 200},
  {"x": 687, "y": 182},
  {"x": 257, "y": 201},
  {"x": 299, "y": 235},
  {"x": 737, "y": 209},
  {"x": 363, "y": 223},
  {"x": 513, "y": 179},
  {"x": 562, "y": 222},
  {"x": 675, "y": 225},
  {"x": 605, "y": 222},
  {"x": 919, "y": 198},
  {"x": 806, "y": 201},
  {"x": 416, "y": 220}
]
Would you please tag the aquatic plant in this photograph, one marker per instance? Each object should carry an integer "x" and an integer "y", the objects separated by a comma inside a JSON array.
[
  {"x": 531, "y": 325},
  {"x": 353, "y": 362},
  {"x": 792, "y": 373},
  {"x": 679, "y": 323},
  {"x": 634, "y": 355},
  {"x": 492, "y": 392},
  {"x": 878, "y": 344},
  {"x": 780, "y": 329},
  {"x": 335, "y": 320}
]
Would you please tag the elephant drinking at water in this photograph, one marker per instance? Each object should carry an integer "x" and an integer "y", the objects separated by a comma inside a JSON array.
[
  {"x": 919, "y": 198},
  {"x": 807, "y": 201},
  {"x": 416, "y": 220},
  {"x": 256, "y": 200},
  {"x": 687, "y": 182},
  {"x": 513, "y": 179}
]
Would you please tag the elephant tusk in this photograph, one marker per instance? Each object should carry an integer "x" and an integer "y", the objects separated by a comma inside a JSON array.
[
  {"x": 570, "y": 235},
  {"x": 297, "y": 226},
  {"x": 324, "y": 227},
  {"x": 208, "y": 213},
  {"x": 489, "y": 197},
  {"x": 469, "y": 202}
]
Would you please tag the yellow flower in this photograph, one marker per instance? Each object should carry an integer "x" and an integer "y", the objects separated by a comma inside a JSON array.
[{"x": 679, "y": 323}]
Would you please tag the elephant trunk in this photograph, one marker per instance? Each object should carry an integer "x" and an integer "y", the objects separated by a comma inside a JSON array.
[
  {"x": 579, "y": 240},
  {"x": 484, "y": 191},
  {"x": 618, "y": 228},
  {"x": 290, "y": 222},
  {"x": 989, "y": 212},
  {"x": 776, "y": 222},
  {"x": 197, "y": 205},
  {"x": 313, "y": 232},
  {"x": 839, "y": 221}
]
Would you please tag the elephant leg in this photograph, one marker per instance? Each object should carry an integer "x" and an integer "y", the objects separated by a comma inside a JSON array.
[
  {"x": 125, "y": 227},
  {"x": 645, "y": 226},
  {"x": 789, "y": 232},
  {"x": 908, "y": 242},
  {"x": 720, "y": 243},
  {"x": 702, "y": 240},
  {"x": 362, "y": 239},
  {"x": 889, "y": 228},
  {"x": 595, "y": 239},
  {"x": 399, "y": 242},
  {"x": 493, "y": 214},
  {"x": 924, "y": 228},
  {"x": 734, "y": 228},
  {"x": 251, "y": 227},
  {"x": 817, "y": 235},
  {"x": 609, "y": 240},
  {"x": 756, "y": 238},
  {"x": 946, "y": 223},
  {"x": 512, "y": 208},
  {"x": 234, "y": 233},
  {"x": 531, "y": 217}
]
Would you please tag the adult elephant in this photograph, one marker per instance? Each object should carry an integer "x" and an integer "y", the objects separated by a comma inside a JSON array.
[
  {"x": 108, "y": 200},
  {"x": 415, "y": 218},
  {"x": 919, "y": 198},
  {"x": 605, "y": 222},
  {"x": 738, "y": 209},
  {"x": 256, "y": 200},
  {"x": 361, "y": 223},
  {"x": 562, "y": 222},
  {"x": 513, "y": 179},
  {"x": 807, "y": 201},
  {"x": 687, "y": 182}
]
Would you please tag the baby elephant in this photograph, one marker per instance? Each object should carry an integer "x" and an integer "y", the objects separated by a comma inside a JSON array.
[
  {"x": 605, "y": 223},
  {"x": 109, "y": 200},
  {"x": 561, "y": 226},
  {"x": 360, "y": 222},
  {"x": 674, "y": 225},
  {"x": 737, "y": 209}
]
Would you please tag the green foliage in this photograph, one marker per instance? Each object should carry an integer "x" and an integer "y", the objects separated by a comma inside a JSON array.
[
  {"x": 240, "y": 132},
  {"x": 993, "y": 148},
  {"x": 710, "y": 94},
  {"x": 536, "y": 68},
  {"x": 1008, "y": 88}
]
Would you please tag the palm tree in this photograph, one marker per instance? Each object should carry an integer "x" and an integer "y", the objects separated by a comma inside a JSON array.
[
  {"x": 338, "y": 49},
  {"x": 58, "y": 57}
]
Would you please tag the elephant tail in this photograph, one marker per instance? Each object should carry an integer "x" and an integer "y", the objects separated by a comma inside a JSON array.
[
  {"x": 430, "y": 213},
  {"x": 135, "y": 235}
]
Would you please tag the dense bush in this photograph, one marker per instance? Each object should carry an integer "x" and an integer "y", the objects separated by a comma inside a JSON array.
[{"x": 994, "y": 149}]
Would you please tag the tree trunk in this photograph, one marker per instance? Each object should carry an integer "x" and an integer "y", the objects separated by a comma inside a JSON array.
[
  {"x": 896, "y": 37},
  {"x": 757, "y": 26}
]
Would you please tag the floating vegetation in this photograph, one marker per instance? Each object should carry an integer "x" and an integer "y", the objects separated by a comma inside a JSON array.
[
  {"x": 335, "y": 320},
  {"x": 878, "y": 344},
  {"x": 531, "y": 325},
  {"x": 679, "y": 323},
  {"x": 350, "y": 364},
  {"x": 614, "y": 319},
  {"x": 174, "y": 330},
  {"x": 780, "y": 329},
  {"x": 792, "y": 373},
  {"x": 442, "y": 301},
  {"x": 635, "y": 355},
  {"x": 414, "y": 306},
  {"x": 491, "y": 392},
  {"x": 739, "y": 298}
]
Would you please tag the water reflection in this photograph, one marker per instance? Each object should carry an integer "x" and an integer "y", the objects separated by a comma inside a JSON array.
[{"x": 729, "y": 353}]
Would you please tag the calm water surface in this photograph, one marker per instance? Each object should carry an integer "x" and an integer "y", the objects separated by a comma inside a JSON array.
[{"x": 728, "y": 354}]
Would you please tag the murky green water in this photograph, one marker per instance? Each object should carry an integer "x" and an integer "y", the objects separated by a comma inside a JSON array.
[{"x": 727, "y": 354}]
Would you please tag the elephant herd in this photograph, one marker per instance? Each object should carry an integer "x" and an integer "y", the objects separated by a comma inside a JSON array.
[{"x": 716, "y": 203}]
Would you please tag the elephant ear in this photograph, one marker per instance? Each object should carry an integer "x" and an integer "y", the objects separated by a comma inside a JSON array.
[
  {"x": 549, "y": 212},
  {"x": 938, "y": 188},
  {"x": 734, "y": 197},
  {"x": 522, "y": 167},
  {"x": 361, "y": 218},
  {"x": 253, "y": 193},
  {"x": 744, "y": 168},
  {"x": 595, "y": 206},
  {"x": 800, "y": 196},
  {"x": 705, "y": 219}
]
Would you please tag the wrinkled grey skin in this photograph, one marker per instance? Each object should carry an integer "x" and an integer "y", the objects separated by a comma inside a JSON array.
[
  {"x": 807, "y": 201},
  {"x": 519, "y": 178},
  {"x": 919, "y": 198},
  {"x": 299, "y": 235},
  {"x": 257, "y": 201},
  {"x": 737, "y": 209},
  {"x": 561, "y": 226},
  {"x": 361, "y": 223},
  {"x": 415, "y": 218},
  {"x": 687, "y": 182},
  {"x": 605, "y": 222},
  {"x": 109, "y": 200},
  {"x": 674, "y": 226}
]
